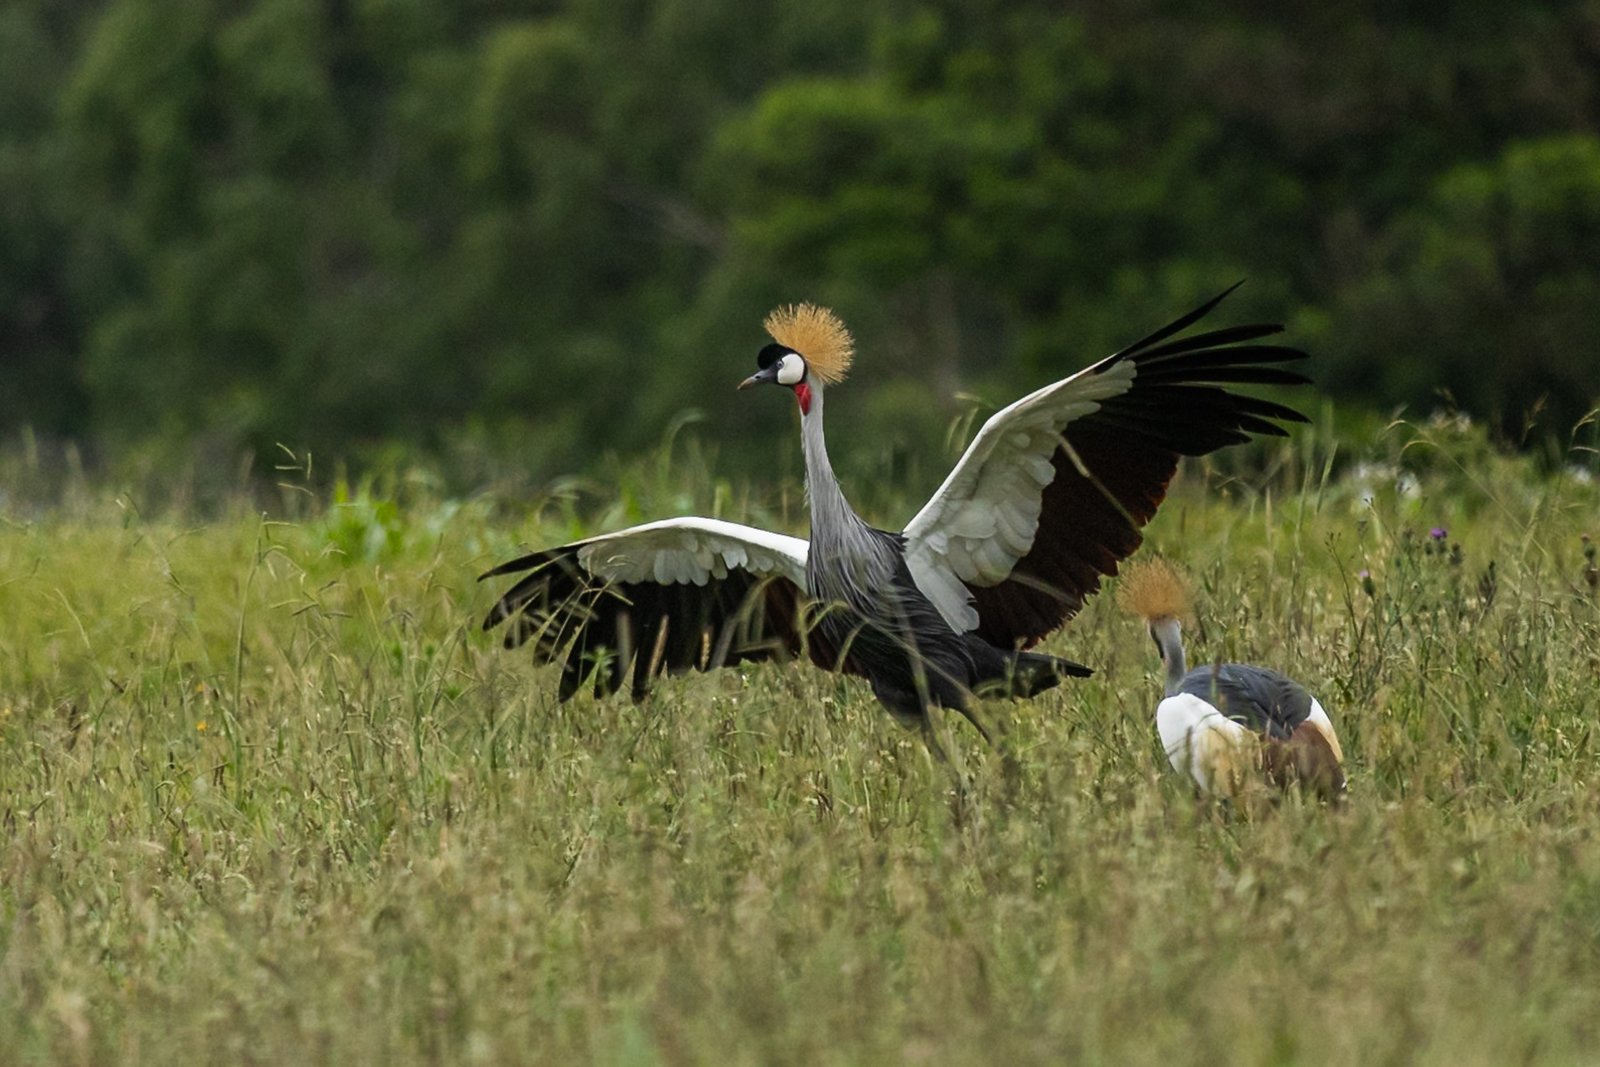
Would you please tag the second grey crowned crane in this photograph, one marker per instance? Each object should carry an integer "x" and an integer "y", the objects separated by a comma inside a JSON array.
[
  {"x": 1046, "y": 501},
  {"x": 1220, "y": 722}
]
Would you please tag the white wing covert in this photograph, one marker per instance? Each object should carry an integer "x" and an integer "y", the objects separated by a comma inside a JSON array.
[
  {"x": 1053, "y": 491},
  {"x": 984, "y": 517},
  {"x": 675, "y": 595}
]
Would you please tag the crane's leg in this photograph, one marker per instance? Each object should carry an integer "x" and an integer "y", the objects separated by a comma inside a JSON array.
[
  {"x": 936, "y": 686},
  {"x": 999, "y": 741},
  {"x": 968, "y": 707},
  {"x": 930, "y": 737},
  {"x": 961, "y": 796},
  {"x": 920, "y": 715}
]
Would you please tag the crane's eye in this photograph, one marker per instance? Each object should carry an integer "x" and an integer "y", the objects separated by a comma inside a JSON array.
[{"x": 791, "y": 368}]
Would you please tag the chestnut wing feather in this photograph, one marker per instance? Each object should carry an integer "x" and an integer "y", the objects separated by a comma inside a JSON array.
[{"x": 1055, "y": 489}]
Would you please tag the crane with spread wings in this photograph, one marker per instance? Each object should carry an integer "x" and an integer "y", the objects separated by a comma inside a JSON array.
[{"x": 1051, "y": 494}]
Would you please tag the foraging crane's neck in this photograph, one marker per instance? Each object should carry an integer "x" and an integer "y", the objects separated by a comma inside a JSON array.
[
  {"x": 831, "y": 514},
  {"x": 1169, "y": 641}
]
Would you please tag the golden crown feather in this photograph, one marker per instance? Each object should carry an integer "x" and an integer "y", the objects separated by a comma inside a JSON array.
[
  {"x": 818, "y": 335},
  {"x": 1153, "y": 589}
]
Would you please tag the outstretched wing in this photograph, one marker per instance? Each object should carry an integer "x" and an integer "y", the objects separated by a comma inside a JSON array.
[
  {"x": 676, "y": 595},
  {"x": 1053, "y": 491}
]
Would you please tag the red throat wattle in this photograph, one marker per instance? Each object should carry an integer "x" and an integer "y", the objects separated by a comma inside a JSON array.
[{"x": 802, "y": 393}]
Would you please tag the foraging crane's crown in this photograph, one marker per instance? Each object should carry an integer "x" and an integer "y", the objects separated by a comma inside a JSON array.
[
  {"x": 1153, "y": 590},
  {"x": 818, "y": 335}
]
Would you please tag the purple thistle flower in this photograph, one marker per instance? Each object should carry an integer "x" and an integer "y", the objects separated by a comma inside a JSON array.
[{"x": 1438, "y": 533}]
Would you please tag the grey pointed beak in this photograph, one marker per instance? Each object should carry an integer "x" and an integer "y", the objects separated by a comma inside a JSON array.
[{"x": 761, "y": 377}]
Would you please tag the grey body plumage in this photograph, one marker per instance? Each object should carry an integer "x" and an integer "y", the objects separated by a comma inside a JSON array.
[
  {"x": 1258, "y": 697},
  {"x": 871, "y": 612}
]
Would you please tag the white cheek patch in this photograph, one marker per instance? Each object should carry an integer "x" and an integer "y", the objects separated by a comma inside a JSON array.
[{"x": 791, "y": 368}]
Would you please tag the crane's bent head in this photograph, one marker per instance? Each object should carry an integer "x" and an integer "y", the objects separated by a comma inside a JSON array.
[
  {"x": 1158, "y": 594},
  {"x": 811, "y": 348},
  {"x": 1153, "y": 590}
]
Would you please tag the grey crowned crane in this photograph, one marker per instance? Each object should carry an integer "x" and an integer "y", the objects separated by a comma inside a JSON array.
[
  {"x": 1224, "y": 723},
  {"x": 1046, "y": 500}
]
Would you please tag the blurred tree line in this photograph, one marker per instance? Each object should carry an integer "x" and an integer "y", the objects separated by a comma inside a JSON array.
[{"x": 548, "y": 227}]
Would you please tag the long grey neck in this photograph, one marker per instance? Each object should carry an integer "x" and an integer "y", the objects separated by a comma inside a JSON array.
[
  {"x": 832, "y": 518},
  {"x": 1170, "y": 641}
]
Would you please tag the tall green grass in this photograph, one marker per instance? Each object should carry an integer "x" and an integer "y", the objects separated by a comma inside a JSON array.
[{"x": 268, "y": 796}]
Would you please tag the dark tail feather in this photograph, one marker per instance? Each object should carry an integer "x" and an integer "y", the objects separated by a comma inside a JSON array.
[{"x": 1034, "y": 672}]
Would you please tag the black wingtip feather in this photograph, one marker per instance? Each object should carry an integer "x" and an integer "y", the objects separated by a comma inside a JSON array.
[
  {"x": 1179, "y": 324},
  {"x": 1228, "y": 335},
  {"x": 1246, "y": 375},
  {"x": 515, "y": 566},
  {"x": 1233, "y": 355}
]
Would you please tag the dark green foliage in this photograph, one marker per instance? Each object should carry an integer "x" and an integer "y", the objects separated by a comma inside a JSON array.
[
  {"x": 547, "y": 228},
  {"x": 1495, "y": 276}
]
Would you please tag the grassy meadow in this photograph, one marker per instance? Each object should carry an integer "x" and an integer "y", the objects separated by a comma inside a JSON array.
[{"x": 268, "y": 796}]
